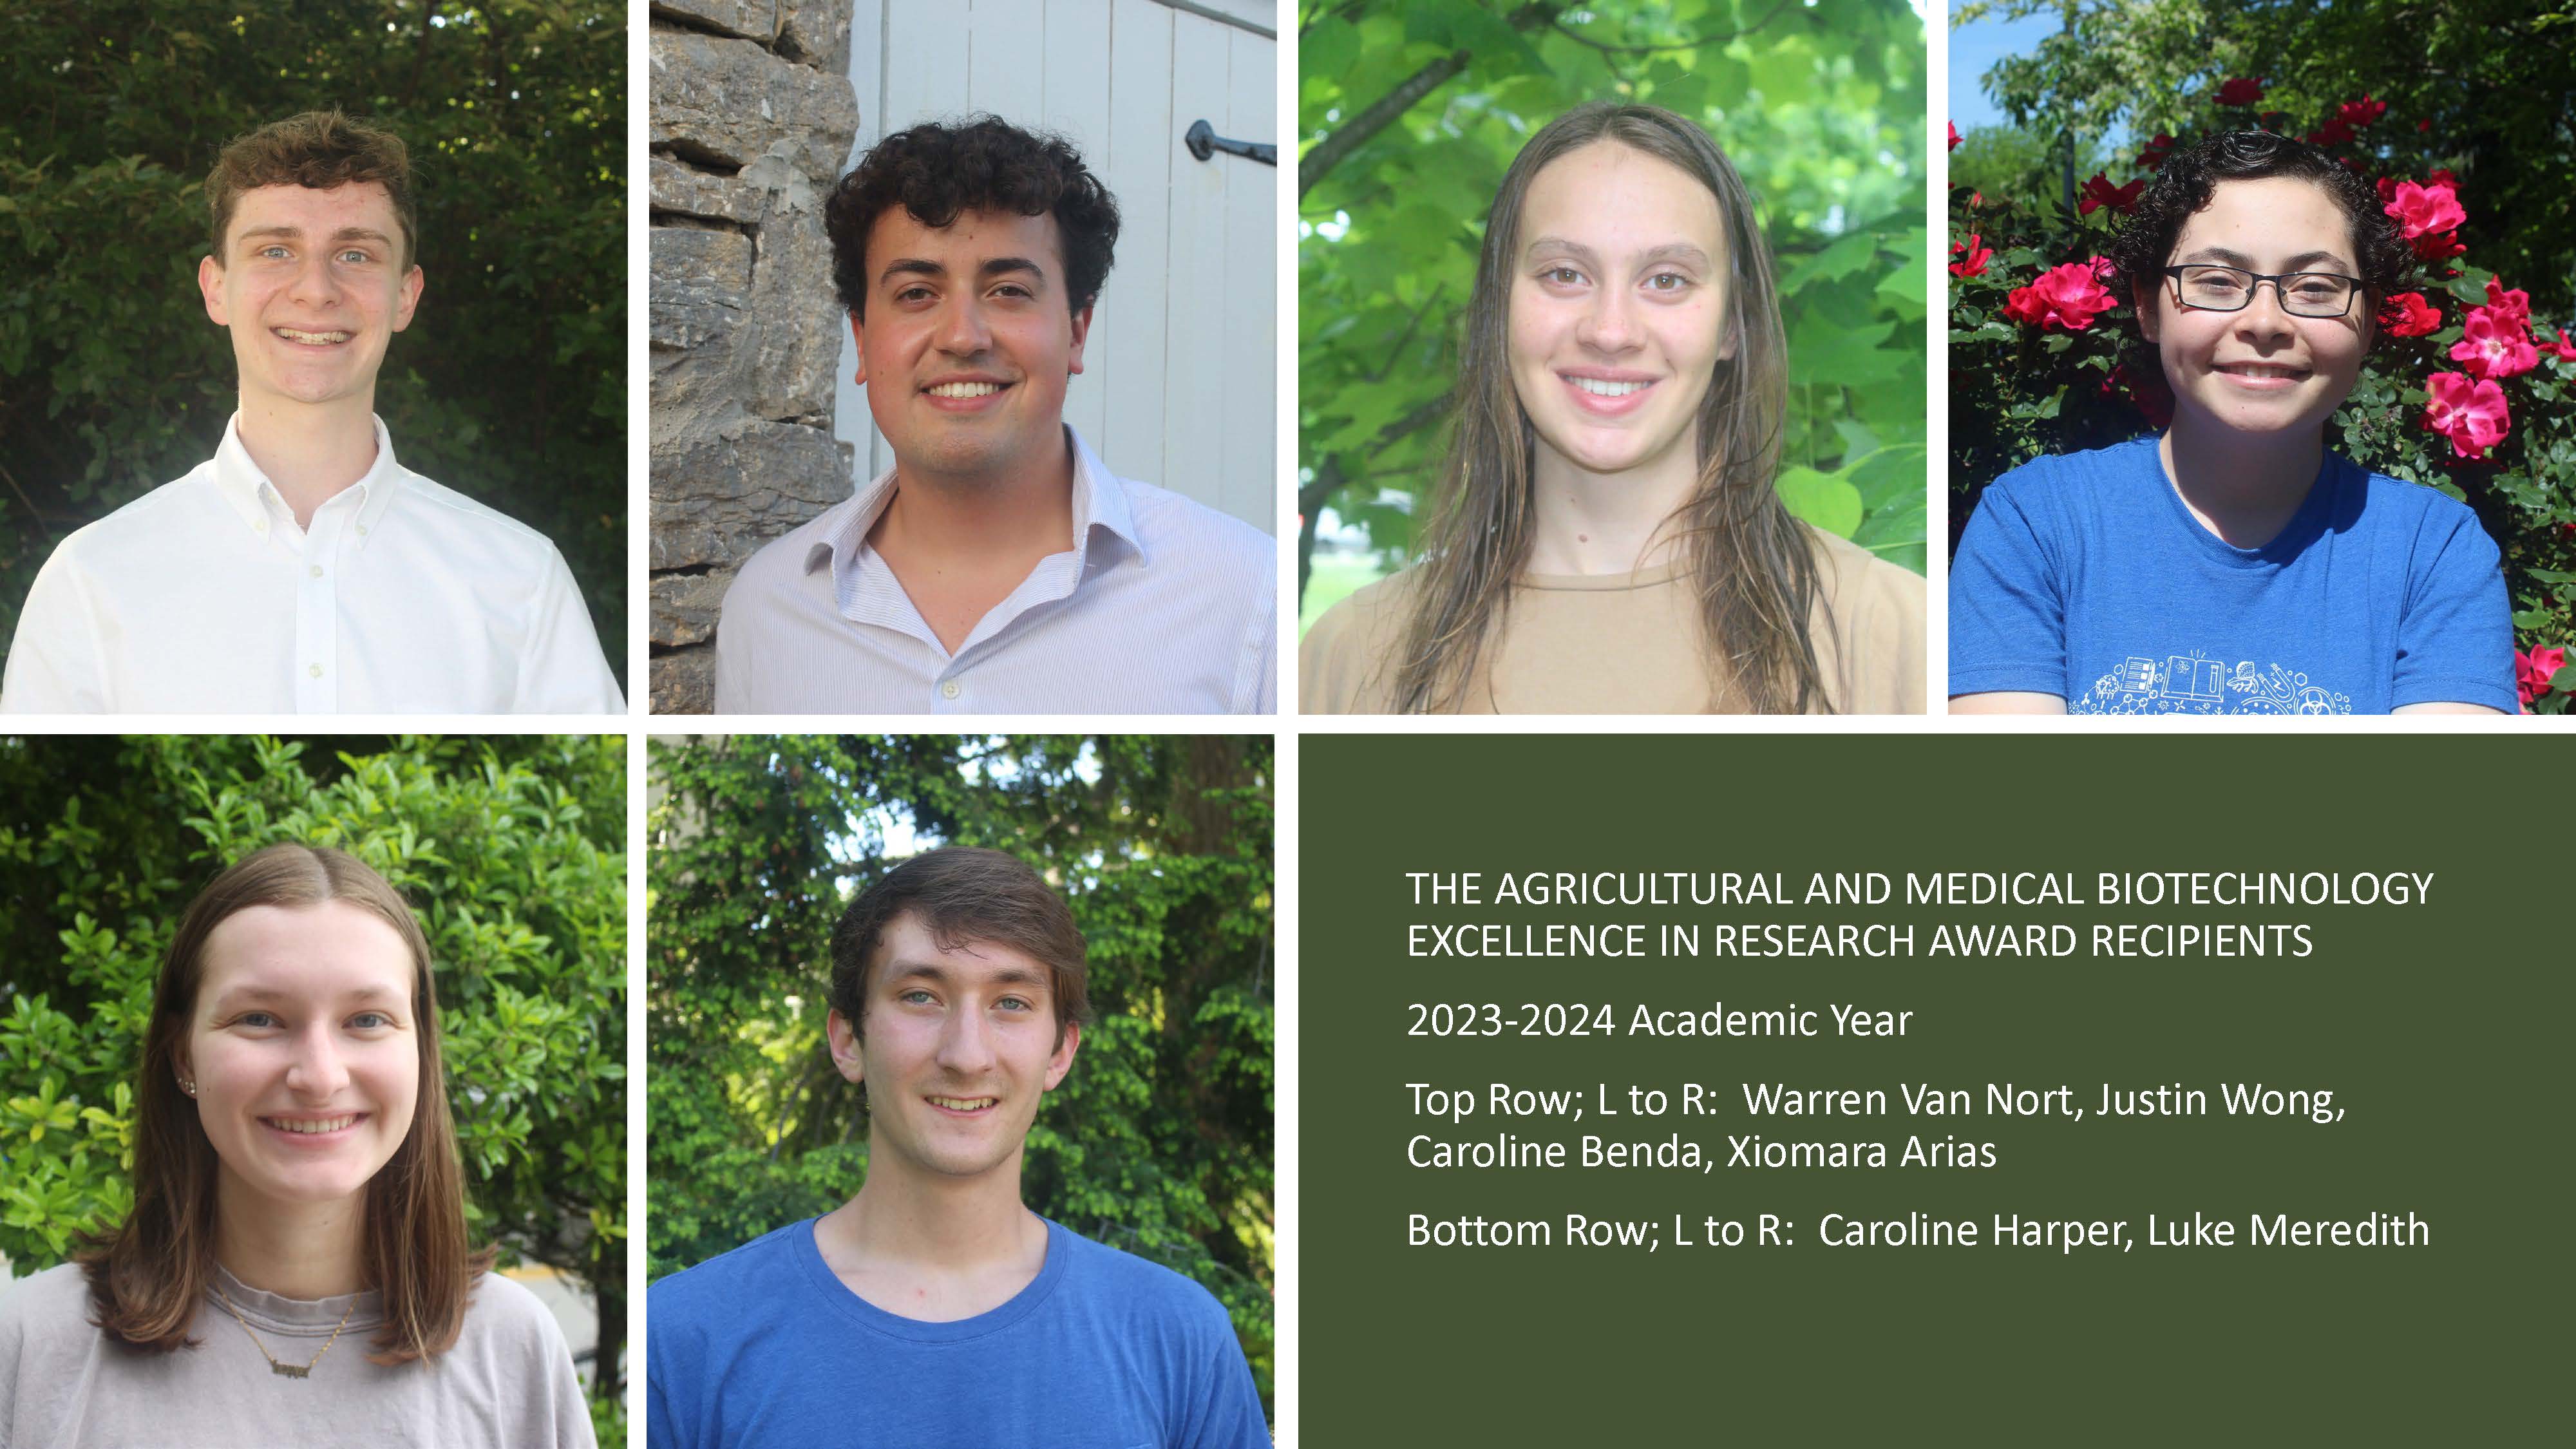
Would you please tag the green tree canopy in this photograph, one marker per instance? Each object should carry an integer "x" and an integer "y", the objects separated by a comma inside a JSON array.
[
  {"x": 511, "y": 850},
  {"x": 1160, "y": 1140},
  {"x": 1408, "y": 117},
  {"x": 510, "y": 384}
]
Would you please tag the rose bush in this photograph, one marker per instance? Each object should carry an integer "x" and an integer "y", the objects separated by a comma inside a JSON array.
[{"x": 2462, "y": 391}]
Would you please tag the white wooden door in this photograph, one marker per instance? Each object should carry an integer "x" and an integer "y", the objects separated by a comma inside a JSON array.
[{"x": 1180, "y": 375}]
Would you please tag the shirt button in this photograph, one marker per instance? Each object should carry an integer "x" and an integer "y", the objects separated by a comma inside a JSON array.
[
  {"x": 313, "y": 669},
  {"x": 316, "y": 571},
  {"x": 259, "y": 526},
  {"x": 948, "y": 690},
  {"x": 362, "y": 530}
]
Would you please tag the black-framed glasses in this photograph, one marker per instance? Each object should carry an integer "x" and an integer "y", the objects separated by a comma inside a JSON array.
[{"x": 2230, "y": 289}]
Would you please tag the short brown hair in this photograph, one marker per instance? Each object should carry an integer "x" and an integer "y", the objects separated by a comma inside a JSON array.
[
  {"x": 937, "y": 170},
  {"x": 319, "y": 149},
  {"x": 962, "y": 896},
  {"x": 148, "y": 1276}
]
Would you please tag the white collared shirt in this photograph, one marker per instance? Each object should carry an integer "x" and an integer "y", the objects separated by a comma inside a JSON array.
[
  {"x": 204, "y": 597},
  {"x": 1162, "y": 606}
]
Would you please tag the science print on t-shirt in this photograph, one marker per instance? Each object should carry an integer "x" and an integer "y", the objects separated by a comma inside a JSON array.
[{"x": 2194, "y": 684}]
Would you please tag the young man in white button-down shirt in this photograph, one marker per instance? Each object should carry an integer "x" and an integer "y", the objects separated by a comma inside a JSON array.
[
  {"x": 303, "y": 570},
  {"x": 998, "y": 567}
]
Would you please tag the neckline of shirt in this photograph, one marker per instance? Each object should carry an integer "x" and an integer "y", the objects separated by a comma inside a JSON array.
[
  {"x": 2281, "y": 549},
  {"x": 809, "y": 1256},
  {"x": 246, "y": 488},
  {"x": 1647, "y": 578},
  {"x": 297, "y": 1317}
]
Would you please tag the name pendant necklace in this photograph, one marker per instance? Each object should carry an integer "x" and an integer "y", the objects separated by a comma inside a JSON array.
[{"x": 286, "y": 1370}]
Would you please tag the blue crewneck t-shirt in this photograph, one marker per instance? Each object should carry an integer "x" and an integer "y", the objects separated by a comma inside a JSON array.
[
  {"x": 765, "y": 1346},
  {"x": 2084, "y": 576}
]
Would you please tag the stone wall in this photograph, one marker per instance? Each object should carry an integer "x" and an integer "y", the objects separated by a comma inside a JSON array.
[{"x": 752, "y": 117}]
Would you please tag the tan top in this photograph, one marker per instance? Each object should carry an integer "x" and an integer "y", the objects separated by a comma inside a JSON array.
[
  {"x": 507, "y": 1384},
  {"x": 1626, "y": 644}
]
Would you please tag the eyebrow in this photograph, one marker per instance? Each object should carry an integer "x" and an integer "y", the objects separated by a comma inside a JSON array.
[
  {"x": 1669, "y": 251},
  {"x": 2242, "y": 262},
  {"x": 932, "y": 971},
  {"x": 247, "y": 994},
  {"x": 296, "y": 233},
  {"x": 991, "y": 267}
]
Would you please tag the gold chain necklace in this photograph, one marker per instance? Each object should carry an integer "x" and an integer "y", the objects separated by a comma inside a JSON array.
[{"x": 289, "y": 1370}]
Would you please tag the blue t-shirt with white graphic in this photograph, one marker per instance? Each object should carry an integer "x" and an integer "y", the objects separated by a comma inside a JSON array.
[
  {"x": 2084, "y": 576},
  {"x": 764, "y": 1346}
]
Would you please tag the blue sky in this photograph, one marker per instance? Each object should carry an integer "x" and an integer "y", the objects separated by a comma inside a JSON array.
[{"x": 1974, "y": 48}]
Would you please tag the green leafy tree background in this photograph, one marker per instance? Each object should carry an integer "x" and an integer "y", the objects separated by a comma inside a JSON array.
[
  {"x": 511, "y": 849},
  {"x": 1408, "y": 116},
  {"x": 2482, "y": 89},
  {"x": 510, "y": 385},
  {"x": 1158, "y": 1143}
]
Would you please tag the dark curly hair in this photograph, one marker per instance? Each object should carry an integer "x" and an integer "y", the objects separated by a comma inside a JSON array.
[
  {"x": 983, "y": 163},
  {"x": 2145, "y": 245}
]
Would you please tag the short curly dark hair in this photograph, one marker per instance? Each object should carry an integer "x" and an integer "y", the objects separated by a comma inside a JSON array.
[
  {"x": 983, "y": 163},
  {"x": 2144, "y": 246}
]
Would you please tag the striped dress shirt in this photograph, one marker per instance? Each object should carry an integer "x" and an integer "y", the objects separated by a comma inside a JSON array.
[{"x": 1161, "y": 606}]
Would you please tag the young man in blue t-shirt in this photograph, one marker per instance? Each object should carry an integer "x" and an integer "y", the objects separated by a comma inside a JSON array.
[
  {"x": 2234, "y": 566},
  {"x": 933, "y": 1308}
]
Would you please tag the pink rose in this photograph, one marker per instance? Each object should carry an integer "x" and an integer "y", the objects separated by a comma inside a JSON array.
[
  {"x": 2531, "y": 673},
  {"x": 2496, "y": 344},
  {"x": 2068, "y": 297},
  {"x": 1972, "y": 257},
  {"x": 2240, "y": 93},
  {"x": 2424, "y": 210},
  {"x": 2471, "y": 414},
  {"x": 2408, "y": 315}
]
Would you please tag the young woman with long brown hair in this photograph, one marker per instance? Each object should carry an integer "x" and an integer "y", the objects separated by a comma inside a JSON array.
[
  {"x": 1605, "y": 537},
  {"x": 296, "y": 1183}
]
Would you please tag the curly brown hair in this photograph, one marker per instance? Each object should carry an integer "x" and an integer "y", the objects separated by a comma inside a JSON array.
[
  {"x": 319, "y": 149},
  {"x": 937, "y": 170},
  {"x": 2145, "y": 244}
]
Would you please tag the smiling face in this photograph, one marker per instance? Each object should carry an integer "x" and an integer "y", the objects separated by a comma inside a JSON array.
[
  {"x": 2260, "y": 370},
  {"x": 312, "y": 284},
  {"x": 968, "y": 343},
  {"x": 1618, "y": 310},
  {"x": 303, "y": 1050},
  {"x": 960, "y": 1045}
]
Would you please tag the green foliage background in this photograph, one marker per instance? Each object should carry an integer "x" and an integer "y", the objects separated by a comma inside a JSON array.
[
  {"x": 1820, "y": 106},
  {"x": 1160, "y": 1140},
  {"x": 511, "y": 850},
  {"x": 509, "y": 385},
  {"x": 2484, "y": 88}
]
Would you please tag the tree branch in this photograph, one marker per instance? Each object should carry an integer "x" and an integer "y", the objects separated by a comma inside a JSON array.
[
  {"x": 1382, "y": 112},
  {"x": 1413, "y": 325},
  {"x": 1376, "y": 118},
  {"x": 1693, "y": 43}
]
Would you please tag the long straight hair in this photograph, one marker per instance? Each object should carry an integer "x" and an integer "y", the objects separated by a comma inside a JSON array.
[
  {"x": 147, "y": 1277},
  {"x": 1752, "y": 564}
]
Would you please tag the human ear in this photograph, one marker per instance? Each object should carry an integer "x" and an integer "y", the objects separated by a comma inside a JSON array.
[
  {"x": 210, "y": 282},
  {"x": 2146, "y": 297},
  {"x": 848, "y": 1054},
  {"x": 408, "y": 299},
  {"x": 1061, "y": 1061},
  {"x": 1081, "y": 329},
  {"x": 859, "y": 339}
]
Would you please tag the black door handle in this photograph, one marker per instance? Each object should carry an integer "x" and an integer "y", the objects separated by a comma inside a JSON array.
[{"x": 1202, "y": 139}]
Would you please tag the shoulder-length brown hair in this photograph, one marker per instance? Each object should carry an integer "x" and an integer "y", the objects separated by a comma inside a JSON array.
[
  {"x": 1753, "y": 564},
  {"x": 147, "y": 1277}
]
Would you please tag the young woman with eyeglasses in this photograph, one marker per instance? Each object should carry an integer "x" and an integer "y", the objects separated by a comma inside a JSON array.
[
  {"x": 2234, "y": 565},
  {"x": 295, "y": 1268}
]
